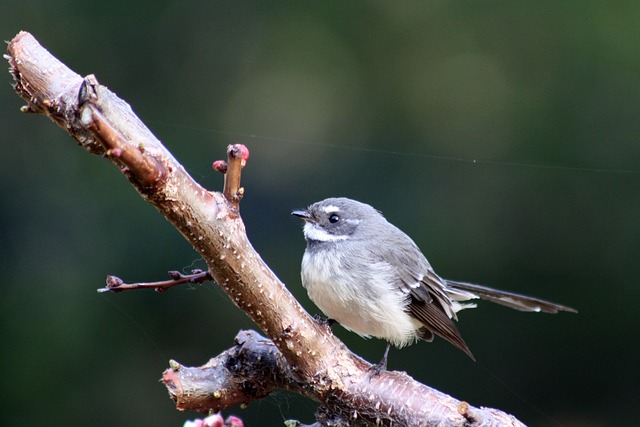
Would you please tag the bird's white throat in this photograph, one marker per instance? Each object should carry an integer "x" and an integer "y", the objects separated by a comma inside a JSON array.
[{"x": 316, "y": 233}]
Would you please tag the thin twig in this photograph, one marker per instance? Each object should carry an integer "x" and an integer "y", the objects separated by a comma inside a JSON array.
[{"x": 116, "y": 284}]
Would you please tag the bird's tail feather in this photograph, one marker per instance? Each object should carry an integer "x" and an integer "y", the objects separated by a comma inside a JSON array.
[{"x": 509, "y": 299}]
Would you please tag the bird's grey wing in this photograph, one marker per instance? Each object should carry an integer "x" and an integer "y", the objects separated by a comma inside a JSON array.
[
  {"x": 433, "y": 313},
  {"x": 509, "y": 299},
  {"x": 427, "y": 300}
]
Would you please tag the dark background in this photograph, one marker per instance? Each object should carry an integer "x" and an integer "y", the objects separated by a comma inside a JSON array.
[{"x": 502, "y": 136}]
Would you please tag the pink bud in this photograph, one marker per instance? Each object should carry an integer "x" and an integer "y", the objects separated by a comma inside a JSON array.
[
  {"x": 220, "y": 166},
  {"x": 239, "y": 150},
  {"x": 114, "y": 282},
  {"x": 233, "y": 421},
  {"x": 214, "y": 420}
]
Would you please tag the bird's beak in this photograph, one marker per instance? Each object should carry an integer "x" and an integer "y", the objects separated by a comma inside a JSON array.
[{"x": 305, "y": 215}]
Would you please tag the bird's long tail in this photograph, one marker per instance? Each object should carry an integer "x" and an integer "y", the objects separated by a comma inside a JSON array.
[{"x": 509, "y": 299}]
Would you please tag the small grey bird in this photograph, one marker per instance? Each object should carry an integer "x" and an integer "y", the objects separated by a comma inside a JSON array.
[{"x": 370, "y": 277}]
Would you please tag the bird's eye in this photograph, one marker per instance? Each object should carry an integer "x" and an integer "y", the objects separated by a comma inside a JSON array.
[{"x": 334, "y": 218}]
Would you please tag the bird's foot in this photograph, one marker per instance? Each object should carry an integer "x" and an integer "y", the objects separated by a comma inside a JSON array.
[
  {"x": 381, "y": 366},
  {"x": 378, "y": 368}
]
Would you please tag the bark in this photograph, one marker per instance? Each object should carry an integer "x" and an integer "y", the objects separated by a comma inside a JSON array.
[{"x": 299, "y": 354}]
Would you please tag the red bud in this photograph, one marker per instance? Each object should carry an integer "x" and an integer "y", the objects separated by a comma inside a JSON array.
[{"x": 220, "y": 166}]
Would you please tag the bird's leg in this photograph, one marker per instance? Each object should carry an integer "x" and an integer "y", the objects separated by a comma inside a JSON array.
[{"x": 381, "y": 366}]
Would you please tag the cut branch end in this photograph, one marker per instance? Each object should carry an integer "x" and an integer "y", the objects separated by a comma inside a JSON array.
[{"x": 237, "y": 156}]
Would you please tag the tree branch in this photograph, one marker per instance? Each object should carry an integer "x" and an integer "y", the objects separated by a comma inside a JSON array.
[
  {"x": 302, "y": 354},
  {"x": 116, "y": 284}
]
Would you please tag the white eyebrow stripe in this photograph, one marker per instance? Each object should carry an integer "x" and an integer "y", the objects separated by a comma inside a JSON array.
[{"x": 330, "y": 209}]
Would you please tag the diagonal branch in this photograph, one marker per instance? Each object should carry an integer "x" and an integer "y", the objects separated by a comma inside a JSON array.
[{"x": 307, "y": 352}]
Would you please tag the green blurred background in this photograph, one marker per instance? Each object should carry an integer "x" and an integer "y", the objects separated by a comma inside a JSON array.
[{"x": 502, "y": 136}]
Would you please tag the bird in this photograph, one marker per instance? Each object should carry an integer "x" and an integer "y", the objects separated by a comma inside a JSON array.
[{"x": 366, "y": 274}]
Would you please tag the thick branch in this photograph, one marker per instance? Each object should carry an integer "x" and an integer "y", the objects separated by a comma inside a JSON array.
[
  {"x": 249, "y": 371},
  {"x": 317, "y": 362},
  {"x": 254, "y": 368}
]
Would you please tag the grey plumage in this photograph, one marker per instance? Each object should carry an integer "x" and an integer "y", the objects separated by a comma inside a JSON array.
[{"x": 370, "y": 277}]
